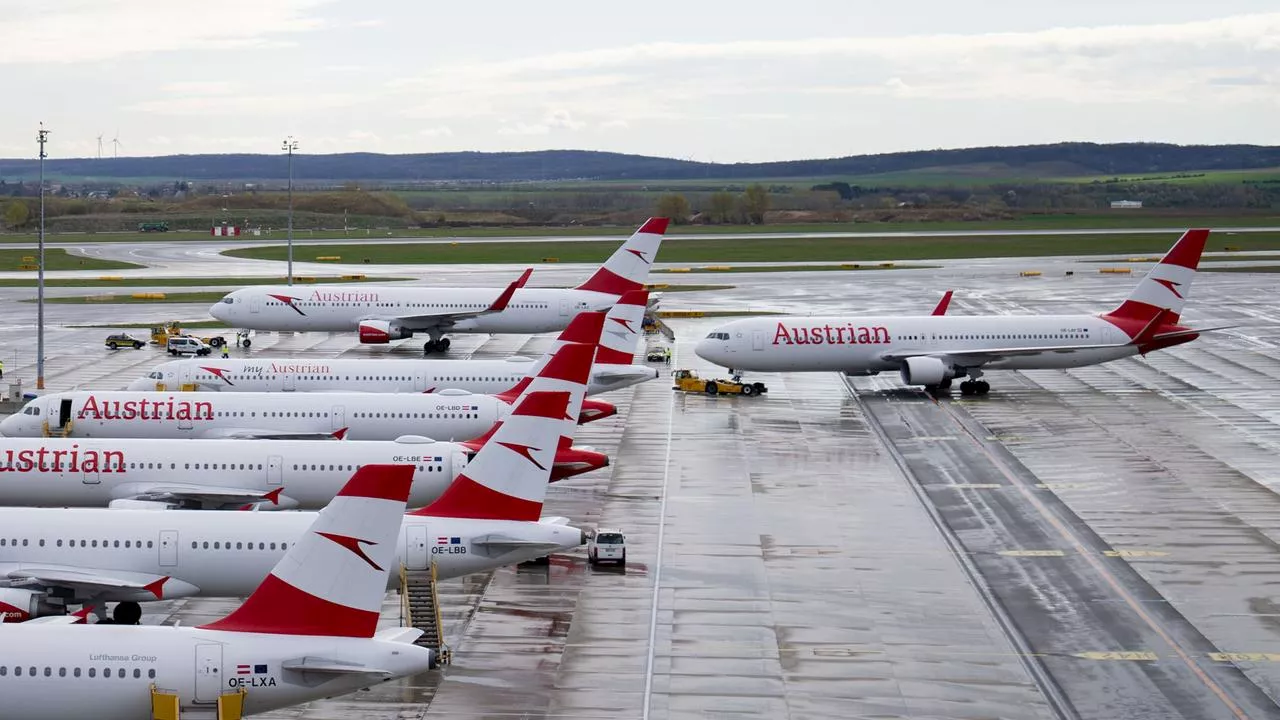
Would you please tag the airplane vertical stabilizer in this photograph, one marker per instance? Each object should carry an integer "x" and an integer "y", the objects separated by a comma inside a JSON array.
[
  {"x": 628, "y": 267},
  {"x": 1165, "y": 287}
]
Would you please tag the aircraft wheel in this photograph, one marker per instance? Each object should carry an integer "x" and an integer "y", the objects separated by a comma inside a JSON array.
[
  {"x": 712, "y": 388},
  {"x": 428, "y": 347},
  {"x": 983, "y": 387},
  {"x": 246, "y": 342},
  {"x": 443, "y": 344},
  {"x": 127, "y": 613},
  {"x": 966, "y": 388}
]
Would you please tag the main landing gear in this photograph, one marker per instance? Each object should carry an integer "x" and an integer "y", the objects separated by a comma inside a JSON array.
[
  {"x": 430, "y": 346},
  {"x": 975, "y": 387}
]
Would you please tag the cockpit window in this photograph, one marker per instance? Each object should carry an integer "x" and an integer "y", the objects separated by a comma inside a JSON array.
[
  {"x": 31, "y": 411},
  {"x": 718, "y": 336},
  {"x": 228, "y": 300},
  {"x": 156, "y": 375}
]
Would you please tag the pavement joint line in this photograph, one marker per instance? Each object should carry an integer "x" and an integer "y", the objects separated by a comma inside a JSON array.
[
  {"x": 657, "y": 564},
  {"x": 1037, "y": 673},
  {"x": 1067, "y": 534}
]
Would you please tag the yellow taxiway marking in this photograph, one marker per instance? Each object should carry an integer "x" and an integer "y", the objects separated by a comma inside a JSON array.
[
  {"x": 1118, "y": 655},
  {"x": 1033, "y": 553},
  {"x": 1244, "y": 657},
  {"x": 1134, "y": 553}
]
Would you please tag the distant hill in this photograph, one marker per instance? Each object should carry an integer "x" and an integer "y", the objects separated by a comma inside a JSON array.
[{"x": 1063, "y": 159}]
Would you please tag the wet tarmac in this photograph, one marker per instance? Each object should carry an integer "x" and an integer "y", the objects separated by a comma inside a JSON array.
[{"x": 1092, "y": 543}]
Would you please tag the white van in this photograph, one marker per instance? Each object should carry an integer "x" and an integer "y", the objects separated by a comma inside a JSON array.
[
  {"x": 607, "y": 545},
  {"x": 187, "y": 346}
]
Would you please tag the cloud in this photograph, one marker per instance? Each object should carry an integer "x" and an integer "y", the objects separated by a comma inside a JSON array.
[
  {"x": 87, "y": 31},
  {"x": 370, "y": 23},
  {"x": 212, "y": 105},
  {"x": 437, "y": 131}
]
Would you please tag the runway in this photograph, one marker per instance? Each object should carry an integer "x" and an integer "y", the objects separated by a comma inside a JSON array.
[{"x": 1097, "y": 543}]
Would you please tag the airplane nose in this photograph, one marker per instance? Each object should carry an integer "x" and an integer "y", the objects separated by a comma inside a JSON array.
[
  {"x": 216, "y": 310},
  {"x": 8, "y": 426},
  {"x": 141, "y": 384},
  {"x": 706, "y": 350}
]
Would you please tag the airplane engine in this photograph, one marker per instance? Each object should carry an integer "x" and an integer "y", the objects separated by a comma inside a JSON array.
[
  {"x": 925, "y": 371},
  {"x": 18, "y": 605},
  {"x": 377, "y": 332}
]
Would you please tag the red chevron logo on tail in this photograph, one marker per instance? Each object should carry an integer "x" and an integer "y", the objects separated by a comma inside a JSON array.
[
  {"x": 639, "y": 254},
  {"x": 1173, "y": 286},
  {"x": 525, "y": 450},
  {"x": 352, "y": 544},
  {"x": 288, "y": 300}
]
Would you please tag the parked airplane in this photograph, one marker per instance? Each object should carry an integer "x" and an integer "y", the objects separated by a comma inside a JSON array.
[
  {"x": 932, "y": 350},
  {"x": 309, "y": 631},
  {"x": 490, "y": 517},
  {"x": 228, "y": 474},
  {"x": 613, "y": 369},
  {"x": 381, "y": 313},
  {"x": 449, "y": 414}
]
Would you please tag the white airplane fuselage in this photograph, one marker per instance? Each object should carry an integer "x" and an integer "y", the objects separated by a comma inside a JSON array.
[
  {"x": 366, "y": 416},
  {"x": 338, "y": 308},
  {"x": 92, "y": 472},
  {"x": 228, "y": 554},
  {"x": 106, "y": 672},
  {"x": 366, "y": 375},
  {"x": 857, "y": 345}
]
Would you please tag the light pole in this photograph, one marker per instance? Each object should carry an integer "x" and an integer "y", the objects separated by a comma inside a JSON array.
[
  {"x": 41, "y": 137},
  {"x": 289, "y": 146}
]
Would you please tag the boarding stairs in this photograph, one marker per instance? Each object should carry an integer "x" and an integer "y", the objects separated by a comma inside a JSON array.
[
  {"x": 166, "y": 705},
  {"x": 420, "y": 608}
]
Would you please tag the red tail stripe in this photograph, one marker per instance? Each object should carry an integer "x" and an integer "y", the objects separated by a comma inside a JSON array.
[
  {"x": 655, "y": 226},
  {"x": 610, "y": 283},
  {"x": 546, "y": 404},
  {"x": 635, "y": 297},
  {"x": 609, "y": 356},
  {"x": 279, "y": 608},
  {"x": 509, "y": 396},
  {"x": 386, "y": 482},
  {"x": 1186, "y": 252},
  {"x": 585, "y": 327},
  {"x": 593, "y": 410},
  {"x": 571, "y": 363},
  {"x": 466, "y": 498}
]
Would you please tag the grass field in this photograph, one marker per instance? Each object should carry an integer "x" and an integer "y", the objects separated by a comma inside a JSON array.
[
  {"x": 725, "y": 250},
  {"x": 1186, "y": 177},
  {"x": 854, "y": 267},
  {"x": 209, "y": 297},
  {"x": 58, "y": 259},
  {"x": 199, "y": 325},
  {"x": 1101, "y": 220},
  {"x": 183, "y": 281},
  {"x": 1253, "y": 269}
]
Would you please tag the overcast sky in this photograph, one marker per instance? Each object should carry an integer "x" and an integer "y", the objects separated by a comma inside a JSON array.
[{"x": 702, "y": 79}]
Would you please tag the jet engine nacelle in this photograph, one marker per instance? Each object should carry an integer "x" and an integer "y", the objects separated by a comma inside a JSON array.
[
  {"x": 377, "y": 332},
  {"x": 925, "y": 371},
  {"x": 18, "y": 605}
]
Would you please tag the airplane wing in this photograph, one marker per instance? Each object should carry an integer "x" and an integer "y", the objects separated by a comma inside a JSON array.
[
  {"x": 212, "y": 496},
  {"x": 85, "y": 582},
  {"x": 76, "y": 618},
  {"x": 445, "y": 318}
]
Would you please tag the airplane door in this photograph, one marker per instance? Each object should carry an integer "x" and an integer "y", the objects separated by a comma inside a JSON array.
[
  {"x": 565, "y": 307},
  {"x": 184, "y": 423},
  {"x": 64, "y": 413},
  {"x": 186, "y": 375},
  {"x": 415, "y": 543},
  {"x": 339, "y": 415},
  {"x": 275, "y": 468},
  {"x": 419, "y": 382},
  {"x": 255, "y": 303},
  {"x": 92, "y": 477},
  {"x": 288, "y": 382},
  {"x": 208, "y": 673},
  {"x": 168, "y": 543},
  {"x": 757, "y": 340}
]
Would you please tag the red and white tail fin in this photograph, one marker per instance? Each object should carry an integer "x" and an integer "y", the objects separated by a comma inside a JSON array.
[
  {"x": 622, "y": 328},
  {"x": 331, "y": 581},
  {"x": 507, "y": 479},
  {"x": 585, "y": 328},
  {"x": 1165, "y": 288},
  {"x": 628, "y": 267}
]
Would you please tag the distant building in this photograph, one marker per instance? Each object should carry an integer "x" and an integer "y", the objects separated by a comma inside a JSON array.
[{"x": 1126, "y": 204}]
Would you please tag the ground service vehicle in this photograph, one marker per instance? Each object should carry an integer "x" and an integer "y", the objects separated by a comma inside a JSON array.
[
  {"x": 187, "y": 345},
  {"x": 658, "y": 354},
  {"x": 115, "y": 341},
  {"x": 607, "y": 545},
  {"x": 688, "y": 381},
  {"x": 160, "y": 335}
]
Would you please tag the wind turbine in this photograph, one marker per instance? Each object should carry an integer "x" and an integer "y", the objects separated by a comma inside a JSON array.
[
  {"x": 99, "y": 146},
  {"x": 115, "y": 142}
]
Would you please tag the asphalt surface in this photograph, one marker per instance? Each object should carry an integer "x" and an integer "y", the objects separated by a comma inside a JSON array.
[{"x": 1092, "y": 543}]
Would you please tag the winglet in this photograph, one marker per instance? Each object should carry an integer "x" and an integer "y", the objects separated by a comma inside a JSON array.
[
  {"x": 157, "y": 587},
  {"x": 274, "y": 495},
  {"x": 331, "y": 581},
  {"x": 501, "y": 303},
  {"x": 943, "y": 304},
  {"x": 340, "y": 433}
]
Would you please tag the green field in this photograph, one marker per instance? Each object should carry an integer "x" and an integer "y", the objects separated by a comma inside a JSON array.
[
  {"x": 852, "y": 267},
  {"x": 209, "y": 297},
  {"x": 1253, "y": 269},
  {"x": 198, "y": 325},
  {"x": 183, "y": 281},
  {"x": 58, "y": 259},
  {"x": 1187, "y": 177},
  {"x": 726, "y": 250}
]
